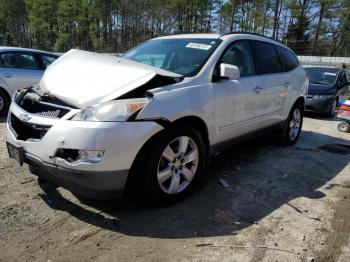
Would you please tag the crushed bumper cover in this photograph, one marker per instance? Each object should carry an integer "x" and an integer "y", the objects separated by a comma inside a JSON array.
[
  {"x": 96, "y": 185},
  {"x": 120, "y": 141}
]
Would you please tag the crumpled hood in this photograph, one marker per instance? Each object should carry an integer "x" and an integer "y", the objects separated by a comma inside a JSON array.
[
  {"x": 319, "y": 89},
  {"x": 82, "y": 78}
]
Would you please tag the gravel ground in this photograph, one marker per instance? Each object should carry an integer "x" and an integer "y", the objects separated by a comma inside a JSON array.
[{"x": 283, "y": 204}]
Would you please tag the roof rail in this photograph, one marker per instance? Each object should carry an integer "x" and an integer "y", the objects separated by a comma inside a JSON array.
[{"x": 250, "y": 33}]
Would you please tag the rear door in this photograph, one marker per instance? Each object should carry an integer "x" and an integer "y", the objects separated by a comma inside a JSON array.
[
  {"x": 20, "y": 69},
  {"x": 276, "y": 82},
  {"x": 239, "y": 101}
]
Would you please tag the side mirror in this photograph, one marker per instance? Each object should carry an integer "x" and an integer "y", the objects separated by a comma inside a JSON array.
[{"x": 228, "y": 71}]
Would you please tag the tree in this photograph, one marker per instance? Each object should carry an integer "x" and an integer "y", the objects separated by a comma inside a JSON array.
[{"x": 42, "y": 22}]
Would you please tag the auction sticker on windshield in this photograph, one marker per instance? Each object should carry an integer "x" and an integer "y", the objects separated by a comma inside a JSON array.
[
  {"x": 330, "y": 74},
  {"x": 198, "y": 46}
]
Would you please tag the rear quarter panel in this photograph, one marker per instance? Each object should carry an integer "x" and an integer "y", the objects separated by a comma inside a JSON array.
[{"x": 298, "y": 88}]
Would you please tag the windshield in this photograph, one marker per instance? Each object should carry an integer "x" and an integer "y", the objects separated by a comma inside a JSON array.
[
  {"x": 181, "y": 56},
  {"x": 323, "y": 76}
]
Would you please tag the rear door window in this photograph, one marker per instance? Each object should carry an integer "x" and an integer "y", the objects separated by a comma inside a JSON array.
[
  {"x": 288, "y": 59},
  {"x": 9, "y": 60},
  {"x": 19, "y": 60},
  {"x": 266, "y": 57}
]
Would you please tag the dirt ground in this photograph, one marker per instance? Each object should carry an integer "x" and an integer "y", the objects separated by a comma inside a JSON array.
[{"x": 283, "y": 204}]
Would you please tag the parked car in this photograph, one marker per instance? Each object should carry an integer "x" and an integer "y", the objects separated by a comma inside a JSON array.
[
  {"x": 20, "y": 68},
  {"x": 326, "y": 86},
  {"x": 154, "y": 116}
]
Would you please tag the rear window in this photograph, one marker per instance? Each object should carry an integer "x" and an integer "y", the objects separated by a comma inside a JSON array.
[
  {"x": 288, "y": 59},
  {"x": 267, "y": 60}
]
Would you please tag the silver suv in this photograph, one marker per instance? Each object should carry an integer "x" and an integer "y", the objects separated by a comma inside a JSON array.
[{"x": 96, "y": 123}]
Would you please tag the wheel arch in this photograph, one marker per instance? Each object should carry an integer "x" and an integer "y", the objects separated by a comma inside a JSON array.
[
  {"x": 6, "y": 93},
  {"x": 7, "y": 101},
  {"x": 199, "y": 124},
  {"x": 300, "y": 100},
  {"x": 191, "y": 121}
]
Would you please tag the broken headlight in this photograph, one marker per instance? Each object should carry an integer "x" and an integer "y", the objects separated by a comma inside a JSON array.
[{"x": 120, "y": 110}]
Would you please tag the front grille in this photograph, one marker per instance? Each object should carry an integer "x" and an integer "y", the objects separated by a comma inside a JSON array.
[
  {"x": 36, "y": 105},
  {"x": 26, "y": 131},
  {"x": 50, "y": 114}
]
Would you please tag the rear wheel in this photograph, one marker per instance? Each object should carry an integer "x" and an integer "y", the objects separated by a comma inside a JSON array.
[
  {"x": 174, "y": 164},
  {"x": 292, "y": 128},
  {"x": 4, "y": 103},
  {"x": 344, "y": 127}
]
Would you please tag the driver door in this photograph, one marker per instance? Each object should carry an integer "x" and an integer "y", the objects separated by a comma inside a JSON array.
[{"x": 238, "y": 102}]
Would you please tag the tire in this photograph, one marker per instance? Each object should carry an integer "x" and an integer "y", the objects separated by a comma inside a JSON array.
[
  {"x": 42, "y": 180},
  {"x": 4, "y": 103},
  {"x": 344, "y": 127},
  {"x": 331, "y": 112},
  {"x": 292, "y": 128},
  {"x": 161, "y": 174}
]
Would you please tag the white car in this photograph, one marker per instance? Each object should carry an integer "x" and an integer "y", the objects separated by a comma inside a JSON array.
[
  {"x": 20, "y": 68},
  {"x": 154, "y": 117}
]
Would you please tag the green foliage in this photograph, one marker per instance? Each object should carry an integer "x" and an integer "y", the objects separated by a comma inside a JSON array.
[{"x": 308, "y": 26}]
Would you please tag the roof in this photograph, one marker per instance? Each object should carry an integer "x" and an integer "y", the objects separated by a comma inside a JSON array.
[
  {"x": 331, "y": 69},
  {"x": 12, "y": 48},
  {"x": 228, "y": 36},
  {"x": 182, "y": 36}
]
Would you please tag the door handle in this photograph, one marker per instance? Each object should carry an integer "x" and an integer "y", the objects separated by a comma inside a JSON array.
[
  {"x": 7, "y": 75},
  {"x": 286, "y": 84},
  {"x": 258, "y": 90}
]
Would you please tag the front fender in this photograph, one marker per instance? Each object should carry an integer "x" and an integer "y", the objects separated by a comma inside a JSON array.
[{"x": 184, "y": 101}]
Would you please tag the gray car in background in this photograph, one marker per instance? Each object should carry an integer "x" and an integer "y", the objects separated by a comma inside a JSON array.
[{"x": 20, "y": 68}]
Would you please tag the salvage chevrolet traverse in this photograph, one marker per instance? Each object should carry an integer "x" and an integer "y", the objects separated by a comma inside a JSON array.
[{"x": 154, "y": 117}]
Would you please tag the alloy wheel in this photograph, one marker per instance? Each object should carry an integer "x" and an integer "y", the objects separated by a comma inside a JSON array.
[
  {"x": 294, "y": 124},
  {"x": 177, "y": 165}
]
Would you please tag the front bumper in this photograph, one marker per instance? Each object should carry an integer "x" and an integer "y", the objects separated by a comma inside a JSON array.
[
  {"x": 120, "y": 141},
  {"x": 96, "y": 185},
  {"x": 319, "y": 104}
]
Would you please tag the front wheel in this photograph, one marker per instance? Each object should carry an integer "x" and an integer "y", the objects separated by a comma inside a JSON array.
[
  {"x": 292, "y": 128},
  {"x": 176, "y": 161}
]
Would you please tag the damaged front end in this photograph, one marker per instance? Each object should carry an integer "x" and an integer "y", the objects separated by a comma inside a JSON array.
[
  {"x": 29, "y": 104},
  {"x": 100, "y": 87},
  {"x": 82, "y": 79},
  {"x": 41, "y": 104}
]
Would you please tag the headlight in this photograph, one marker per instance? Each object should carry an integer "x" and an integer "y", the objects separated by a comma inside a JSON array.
[
  {"x": 323, "y": 96},
  {"x": 119, "y": 110}
]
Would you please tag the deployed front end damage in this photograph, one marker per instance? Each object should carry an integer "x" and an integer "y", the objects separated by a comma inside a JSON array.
[
  {"x": 79, "y": 131},
  {"x": 82, "y": 78}
]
